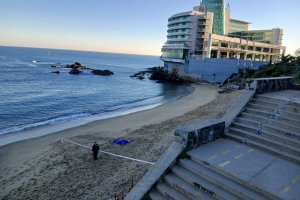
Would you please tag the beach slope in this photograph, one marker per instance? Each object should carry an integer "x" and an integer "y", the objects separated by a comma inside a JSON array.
[{"x": 45, "y": 168}]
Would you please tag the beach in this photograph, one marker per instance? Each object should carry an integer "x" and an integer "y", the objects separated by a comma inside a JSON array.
[{"x": 45, "y": 168}]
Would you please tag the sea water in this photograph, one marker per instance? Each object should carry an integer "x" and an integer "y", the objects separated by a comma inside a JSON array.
[{"x": 31, "y": 96}]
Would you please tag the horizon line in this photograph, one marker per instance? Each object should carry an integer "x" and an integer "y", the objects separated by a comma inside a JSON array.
[{"x": 79, "y": 50}]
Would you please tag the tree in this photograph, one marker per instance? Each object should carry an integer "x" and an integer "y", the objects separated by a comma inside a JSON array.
[{"x": 297, "y": 53}]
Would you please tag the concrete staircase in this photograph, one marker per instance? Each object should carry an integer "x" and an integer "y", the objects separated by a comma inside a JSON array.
[
  {"x": 196, "y": 179},
  {"x": 271, "y": 125},
  {"x": 268, "y": 125}
]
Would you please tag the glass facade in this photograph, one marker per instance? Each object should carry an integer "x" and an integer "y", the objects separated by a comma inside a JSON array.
[
  {"x": 258, "y": 36},
  {"x": 174, "y": 53},
  {"x": 236, "y": 26},
  {"x": 218, "y": 8}
]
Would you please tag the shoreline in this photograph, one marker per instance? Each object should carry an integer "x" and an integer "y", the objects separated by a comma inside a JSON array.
[
  {"x": 45, "y": 129},
  {"x": 39, "y": 168}
]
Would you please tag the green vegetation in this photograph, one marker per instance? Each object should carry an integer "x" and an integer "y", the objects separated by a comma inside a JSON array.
[{"x": 288, "y": 66}]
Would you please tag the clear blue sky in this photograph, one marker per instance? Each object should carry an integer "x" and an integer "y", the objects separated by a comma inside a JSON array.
[{"x": 126, "y": 26}]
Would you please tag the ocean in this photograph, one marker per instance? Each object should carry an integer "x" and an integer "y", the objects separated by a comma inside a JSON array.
[{"x": 31, "y": 96}]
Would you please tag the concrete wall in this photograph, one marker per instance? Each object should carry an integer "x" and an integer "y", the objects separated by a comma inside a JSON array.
[
  {"x": 206, "y": 68},
  {"x": 222, "y": 68},
  {"x": 263, "y": 85}
]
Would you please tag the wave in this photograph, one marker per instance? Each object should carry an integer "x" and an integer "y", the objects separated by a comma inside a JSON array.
[
  {"x": 109, "y": 113},
  {"x": 43, "y": 123}
]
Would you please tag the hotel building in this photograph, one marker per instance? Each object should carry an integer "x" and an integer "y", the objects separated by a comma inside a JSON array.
[{"x": 207, "y": 36}]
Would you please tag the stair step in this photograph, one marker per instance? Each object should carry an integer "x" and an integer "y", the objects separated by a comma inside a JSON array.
[
  {"x": 202, "y": 184},
  {"x": 261, "y": 107},
  {"x": 185, "y": 188},
  {"x": 266, "y": 148},
  {"x": 231, "y": 177},
  {"x": 247, "y": 121},
  {"x": 156, "y": 195},
  {"x": 291, "y": 127},
  {"x": 265, "y": 140},
  {"x": 253, "y": 117},
  {"x": 282, "y": 111},
  {"x": 269, "y": 115},
  {"x": 168, "y": 192},
  {"x": 279, "y": 101},
  {"x": 265, "y": 103},
  {"x": 276, "y": 105},
  {"x": 273, "y": 134},
  {"x": 286, "y": 134},
  {"x": 220, "y": 180},
  {"x": 292, "y": 115}
]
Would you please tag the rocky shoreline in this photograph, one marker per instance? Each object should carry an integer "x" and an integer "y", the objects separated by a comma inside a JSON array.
[{"x": 161, "y": 76}]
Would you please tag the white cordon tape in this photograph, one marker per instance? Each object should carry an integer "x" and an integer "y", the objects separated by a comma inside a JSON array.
[{"x": 112, "y": 154}]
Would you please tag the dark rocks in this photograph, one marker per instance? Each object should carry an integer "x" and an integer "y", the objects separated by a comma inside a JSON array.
[
  {"x": 76, "y": 67},
  {"x": 102, "y": 72},
  {"x": 160, "y": 75},
  {"x": 74, "y": 71},
  {"x": 55, "y": 72}
]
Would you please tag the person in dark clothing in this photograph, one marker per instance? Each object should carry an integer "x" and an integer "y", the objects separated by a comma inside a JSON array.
[{"x": 95, "y": 150}]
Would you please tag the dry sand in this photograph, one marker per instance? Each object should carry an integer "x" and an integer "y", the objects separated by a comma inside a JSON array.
[{"x": 44, "y": 168}]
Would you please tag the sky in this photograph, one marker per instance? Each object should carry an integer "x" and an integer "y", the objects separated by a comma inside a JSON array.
[{"x": 125, "y": 26}]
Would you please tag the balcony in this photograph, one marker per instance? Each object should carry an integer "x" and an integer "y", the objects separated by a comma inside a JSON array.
[
  {"x": 179, "y": 21},
  {"x": 179, "y": 40},
  {"x": 179, "y": 27},
  {"x": 179, "y": 33}
]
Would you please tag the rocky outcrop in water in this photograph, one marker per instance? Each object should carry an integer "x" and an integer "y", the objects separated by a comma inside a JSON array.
[
  {"x": 55, "y": 72},
  {"x": 102, "y": 72},
  {"x": 74, "y": 71},
  {"x": 76, "y": 67}
]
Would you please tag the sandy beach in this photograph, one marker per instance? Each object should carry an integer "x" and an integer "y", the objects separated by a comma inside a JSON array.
[{"x": 45, "y": 168}]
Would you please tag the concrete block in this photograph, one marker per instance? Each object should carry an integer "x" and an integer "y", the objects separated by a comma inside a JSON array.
[{"x": 193, "y": 135}]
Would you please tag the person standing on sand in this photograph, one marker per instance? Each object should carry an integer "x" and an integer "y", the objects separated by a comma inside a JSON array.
[{"x": 95, "y": 150}]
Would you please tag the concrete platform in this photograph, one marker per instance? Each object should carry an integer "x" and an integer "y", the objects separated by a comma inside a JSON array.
[{"x": 265, "y": 171}]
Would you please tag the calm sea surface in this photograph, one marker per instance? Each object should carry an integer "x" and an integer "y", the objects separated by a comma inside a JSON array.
[{"x": 31, "y": 96}]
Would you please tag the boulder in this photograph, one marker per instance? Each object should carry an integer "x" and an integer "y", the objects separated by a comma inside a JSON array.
[
  {"x": 102, "y": 72},
  {"x": 74, "y": 71}
]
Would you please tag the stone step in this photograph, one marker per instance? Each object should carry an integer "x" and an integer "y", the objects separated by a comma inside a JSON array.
[
  {"x": 246, "y": 121},
  {"x": 185, "y": 188},
  {"x": 293, "y": 136},
  {"x": 274, "y": 122},
  {"x": 292, "y": 115},
  {"x": 233, "y": 178},
  {"x": 282, "y": 137},
  {"x": 278, "y": 101},
  {"x": 203, "y": 185},
  {"x": 268, "y": 115},
  {"x": 168, "y": 192},
  {"x": 262, "y": 108},
  {"x": 276, "y": 105},
  {"x": 263, "y": 147},
  {"x": 264, "y": 140},
  {"x": 156, "y": 195},
  {"x": 219, "y": 180},
  {"x": 272, "y": 110},
  {"x": 253, "y": 117}
]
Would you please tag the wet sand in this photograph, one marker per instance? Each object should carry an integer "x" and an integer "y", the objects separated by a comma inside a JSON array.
[{"x": 45, "y": 168}]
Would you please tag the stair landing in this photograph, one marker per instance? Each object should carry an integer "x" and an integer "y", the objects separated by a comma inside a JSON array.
[{"x": 255, "y": 167}]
